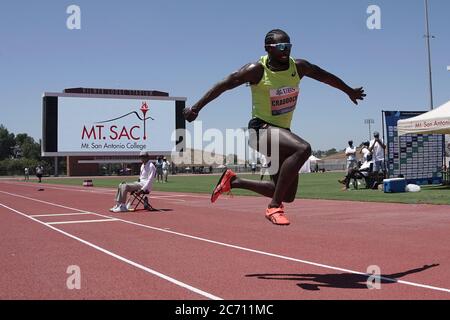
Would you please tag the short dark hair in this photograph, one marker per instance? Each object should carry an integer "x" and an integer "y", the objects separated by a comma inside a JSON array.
[{"x": 271, "y": 35}]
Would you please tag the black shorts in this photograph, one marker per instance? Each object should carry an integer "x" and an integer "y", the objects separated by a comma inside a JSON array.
[{"x": 257, "y": 124}]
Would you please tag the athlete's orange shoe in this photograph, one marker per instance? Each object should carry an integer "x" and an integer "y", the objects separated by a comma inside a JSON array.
[
  {"x": 277, "y": 216},
  {"x": 224, "y": 185}
]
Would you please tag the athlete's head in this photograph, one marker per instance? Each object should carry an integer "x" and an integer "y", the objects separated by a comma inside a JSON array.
[{"x": 278, "y": 45}]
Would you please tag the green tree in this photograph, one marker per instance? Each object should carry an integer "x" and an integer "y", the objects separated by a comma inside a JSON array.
[
  {"x": 7, "y": 142},
  {"x": 30, "y": 148},
  {"x": 22, "y": 138},
  {"x": 318, "y": 153},
  {"x": 330, "y": 152},
  {"x": 31, "y": 151}
]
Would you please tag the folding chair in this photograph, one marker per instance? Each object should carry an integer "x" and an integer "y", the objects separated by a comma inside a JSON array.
[
  {"x": 362, "y": 179},
  {"x": 372, "y": 179},
  {"x": 365, "y": 176},
  {"x": 138, "y": 199}
]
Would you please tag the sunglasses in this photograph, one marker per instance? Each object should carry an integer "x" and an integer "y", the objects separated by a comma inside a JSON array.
[{"x": 280, "y": 46}]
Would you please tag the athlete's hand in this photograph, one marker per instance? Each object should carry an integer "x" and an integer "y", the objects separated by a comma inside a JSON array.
[
  {"x": 356, "y": 94},
  {"x": 189, "y": 114}
]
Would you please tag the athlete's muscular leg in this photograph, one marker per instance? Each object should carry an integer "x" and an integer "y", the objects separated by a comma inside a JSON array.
[
  {"x": 265, "y": 188},
  {"x": 294, "y": 151},
  {"x": 291, "y": 191}
]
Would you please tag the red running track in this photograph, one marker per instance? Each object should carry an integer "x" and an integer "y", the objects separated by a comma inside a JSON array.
[{"x": 192, "y": 249}]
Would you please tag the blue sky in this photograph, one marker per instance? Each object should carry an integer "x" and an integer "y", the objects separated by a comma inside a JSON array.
[{"x": 184, "y": 47}]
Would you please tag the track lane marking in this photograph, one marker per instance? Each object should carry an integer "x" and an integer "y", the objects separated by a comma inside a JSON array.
[
  {"x": 112, "y": 254},
  {"x": 419, "y": 285},
  {"x": 59, "y": 214},
  {"x": 109, "y": 191},
  {"x": 82, "y": 221}
]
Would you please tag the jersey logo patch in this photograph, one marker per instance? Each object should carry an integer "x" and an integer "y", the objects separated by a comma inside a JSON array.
[{"x": 283, "y": 100}]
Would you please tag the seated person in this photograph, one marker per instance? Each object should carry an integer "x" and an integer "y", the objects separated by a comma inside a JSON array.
[
  {"x": 145, "y": 183},
  {"x": 362, "y": 170}
]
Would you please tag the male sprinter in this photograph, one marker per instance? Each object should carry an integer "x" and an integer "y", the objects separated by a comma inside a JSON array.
[{"x": 274, "y": 81}]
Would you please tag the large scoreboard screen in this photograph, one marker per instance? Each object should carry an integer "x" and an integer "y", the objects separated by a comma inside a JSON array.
[{"x": 89, "y": 124}]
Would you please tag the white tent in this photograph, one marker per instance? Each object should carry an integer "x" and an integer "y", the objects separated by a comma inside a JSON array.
[
  {"x": 307, "y": 165},
  {"x": 434, "y": 121}
]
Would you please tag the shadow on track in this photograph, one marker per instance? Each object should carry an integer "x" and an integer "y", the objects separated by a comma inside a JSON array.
[{"x": 314, "y": 282}]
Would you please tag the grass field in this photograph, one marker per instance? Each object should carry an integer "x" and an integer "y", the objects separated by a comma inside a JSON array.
[{"x": 311, "y": 186}]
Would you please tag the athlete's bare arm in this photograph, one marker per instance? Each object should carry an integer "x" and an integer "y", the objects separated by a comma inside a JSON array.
[
  {"x": 250, "y": 73},
  {"x": 304, "y": 68}
]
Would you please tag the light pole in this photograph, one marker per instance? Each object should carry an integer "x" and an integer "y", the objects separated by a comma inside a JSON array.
[
  {"x": 369, "y": 122},
  {"x": 245, "y": 146},
  {"x": 428, "y": 36}
]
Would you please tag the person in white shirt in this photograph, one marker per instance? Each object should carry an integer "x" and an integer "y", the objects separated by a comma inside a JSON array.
[
  {"x": 367, "y": 157},
  {"x": 363, "y": 169},
  {"x": 350, "y": 152},
  {"x": 264, "y": 166},
  {"x": 377, "y": 148},
  {"x": 27, "y": 174},
  {"x": 253, "y": 166},
  {"x": 39, "y": 172},
  {"x": 165, "y": 169},
  {"x": 145, "y": 183}
]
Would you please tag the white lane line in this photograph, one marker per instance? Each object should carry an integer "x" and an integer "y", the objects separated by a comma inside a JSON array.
[
  {"x": 193, "y": 196},
  {"x": 108, "y": 192},
  {"x": 167, "y": 198},
  {"x": 81, "y": 221},
  {"x": 67, "y": 188},
  {"x": 155, "y": 194},
  {"x": 181, "y": 196},
  {"x": 112, "y": 254},
  {"x": 59, "y": 214},
  {"x": 413, "y": 284}
]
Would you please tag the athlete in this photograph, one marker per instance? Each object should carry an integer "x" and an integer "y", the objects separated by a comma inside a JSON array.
[{"x": 274, "y": 81}]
